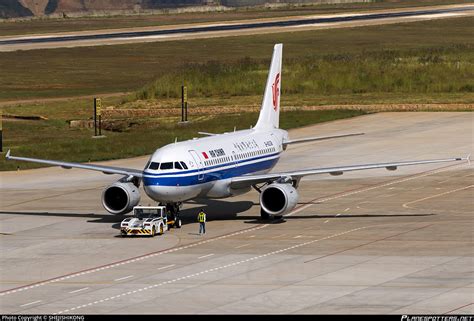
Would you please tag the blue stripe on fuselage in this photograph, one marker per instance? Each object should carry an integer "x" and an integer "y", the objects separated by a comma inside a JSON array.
[
  {"x": 218, "y": 174},
  {"x": 150, "y": 174}
]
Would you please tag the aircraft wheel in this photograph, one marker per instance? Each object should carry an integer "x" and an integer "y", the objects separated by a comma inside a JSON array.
[{"x": 264, "y": 215}]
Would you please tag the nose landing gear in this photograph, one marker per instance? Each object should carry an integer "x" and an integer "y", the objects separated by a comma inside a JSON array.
[{"x": 173, "y": 214}]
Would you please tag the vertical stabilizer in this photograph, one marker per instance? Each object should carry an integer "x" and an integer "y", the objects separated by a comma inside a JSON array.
[{"x": 270, "y": 110}]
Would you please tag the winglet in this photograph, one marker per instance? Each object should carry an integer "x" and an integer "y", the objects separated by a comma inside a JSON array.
[
  {"x": 468, "y": 158},
  {"x": 7, "y": 156}
]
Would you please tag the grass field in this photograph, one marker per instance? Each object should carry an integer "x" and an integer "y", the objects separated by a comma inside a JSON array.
[
  {"x": 58, "y": 141},
  {"x": 124, "y": 68},
  {"x": 420, "y": 62},
  {"x": 49, "y": 25},
  {"x": 424, "y": 71}
]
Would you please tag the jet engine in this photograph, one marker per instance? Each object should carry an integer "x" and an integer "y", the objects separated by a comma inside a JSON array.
[
  {"x": 278, "y": 199},
  {"x": 120, "y": 197}
]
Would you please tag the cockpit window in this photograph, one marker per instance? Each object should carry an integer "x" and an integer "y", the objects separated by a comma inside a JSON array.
[
  {"x": 177, "y": 165},
  {"x": 154, "y": 165},
  {"x": 184, "y": 165},
  {"x": 166, "y": 165}
]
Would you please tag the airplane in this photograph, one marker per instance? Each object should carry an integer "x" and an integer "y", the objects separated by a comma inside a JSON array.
[{"x": 223, "y": 165}]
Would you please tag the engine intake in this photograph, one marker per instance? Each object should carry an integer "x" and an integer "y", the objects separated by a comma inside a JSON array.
[
  {"x": 278, "y": 199},
  {"x": 120, "y": 198}
]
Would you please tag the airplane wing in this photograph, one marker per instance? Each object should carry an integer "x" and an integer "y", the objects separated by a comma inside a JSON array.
[
  {"x": 312, "y": 139},
  {"x": 67, "y": 165},
  {"x": 249, "y": 180}
]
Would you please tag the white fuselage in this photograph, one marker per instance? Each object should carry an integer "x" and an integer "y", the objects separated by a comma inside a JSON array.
[{"x": 204, "y": 167}]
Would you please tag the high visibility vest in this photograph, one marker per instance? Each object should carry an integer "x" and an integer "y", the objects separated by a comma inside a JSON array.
[{"x": 201, "y": 217}]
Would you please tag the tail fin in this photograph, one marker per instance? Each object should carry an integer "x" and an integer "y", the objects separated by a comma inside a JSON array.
[{"x": 270, "y": 110}]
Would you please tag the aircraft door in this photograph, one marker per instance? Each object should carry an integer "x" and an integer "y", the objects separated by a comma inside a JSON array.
[{"x": 199, "y": 164}]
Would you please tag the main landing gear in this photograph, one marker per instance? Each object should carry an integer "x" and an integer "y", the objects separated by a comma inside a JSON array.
[{"x": 266, "y": 216}]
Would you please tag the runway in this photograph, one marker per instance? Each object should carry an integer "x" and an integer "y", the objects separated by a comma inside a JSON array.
[
  {"x": 367, "y": 242},
  {"x": 192, "y": 31}
]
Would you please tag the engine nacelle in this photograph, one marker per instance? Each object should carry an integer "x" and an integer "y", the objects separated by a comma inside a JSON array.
[
  {"x": 120, "y": 198},
  {"x": 278, "y": 199}
]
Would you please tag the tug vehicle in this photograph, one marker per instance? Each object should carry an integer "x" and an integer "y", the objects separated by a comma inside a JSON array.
[{"x": 146, "y": 220}]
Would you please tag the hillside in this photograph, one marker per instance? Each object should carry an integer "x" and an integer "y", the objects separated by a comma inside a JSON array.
[
  {"x": 25, "y": 8},
  {"x": 13, "y": 9}
]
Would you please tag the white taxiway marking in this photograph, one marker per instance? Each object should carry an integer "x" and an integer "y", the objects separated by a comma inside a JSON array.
[
  {"x": 209, "y": 270},
  {"x": 278, "y": 236},
  {"x": 204, "y": 256},
  {"x": 26, "y": 304},
  {"x": 398, "y": 181},
  {"x": 346, "y": 210},
  {"x": 124, "y": 278},
  {"x": 140, "y": 258},
  {"x": 241, "y": 246},
  {"x": 298, "y": 236},
  {"x": 79, "y": 290},
  {"x": 437, "y": 195},
  {"x": 444, "y": 181},
  {"x": 357, "y": 191},
  {"x": 252, "y": 235},
  {"x": 165, "y": 267}
]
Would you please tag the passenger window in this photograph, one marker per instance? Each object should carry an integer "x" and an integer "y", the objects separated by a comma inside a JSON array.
[
  {"x": 154, "y": 166},
  {"x": 184, "y": 165},
  {"x": 177, "y": 165},
  {"x": 166, "y": 165}
]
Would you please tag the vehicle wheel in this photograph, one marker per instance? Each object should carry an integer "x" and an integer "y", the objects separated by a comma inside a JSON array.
[
  {"x": 153, "y": 231},
  {"x": 161, "y": 229},
  {"x": 123, "y": 234},
  {"x": 177, "y": 224},
  {"x": 264, "y": 215}
]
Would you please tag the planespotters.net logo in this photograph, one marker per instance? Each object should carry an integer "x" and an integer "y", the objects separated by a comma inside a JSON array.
[{"x": 437, "y": 318}]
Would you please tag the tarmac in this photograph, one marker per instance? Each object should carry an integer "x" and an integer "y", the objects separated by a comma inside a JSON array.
[{"x": 367, "y": 242}]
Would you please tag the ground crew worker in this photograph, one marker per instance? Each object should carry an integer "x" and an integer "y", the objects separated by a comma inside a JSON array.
[{"x": 202, "y": 222}]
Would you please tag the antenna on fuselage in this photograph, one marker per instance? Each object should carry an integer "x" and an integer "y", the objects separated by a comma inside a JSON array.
[
  {"x": 235, "y": 128},
  {"x": 176, "y": 140}
]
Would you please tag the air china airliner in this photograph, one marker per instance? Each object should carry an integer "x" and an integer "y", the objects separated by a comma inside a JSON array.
[{"x": 223, "y": 165}]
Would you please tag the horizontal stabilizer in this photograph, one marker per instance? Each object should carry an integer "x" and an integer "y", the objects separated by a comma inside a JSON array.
[{"x": 313, "y": 139}]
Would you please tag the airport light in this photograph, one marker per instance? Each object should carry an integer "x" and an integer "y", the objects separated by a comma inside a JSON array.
[
  {"x": 97, "y": 117},
  {"x": 1, "y": 131},
  {"x": 184, "y": 104}
]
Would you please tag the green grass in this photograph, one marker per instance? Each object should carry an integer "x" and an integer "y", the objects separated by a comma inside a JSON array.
[
  {"x": 60, "y": 142},
  {"x": 124, "y": 68},
  {"x": 50, "y": 25},
  {"x": 440, "y": 70}
]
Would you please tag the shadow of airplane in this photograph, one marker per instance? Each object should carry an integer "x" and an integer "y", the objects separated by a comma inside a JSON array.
[{"x": 216, "y": 210}]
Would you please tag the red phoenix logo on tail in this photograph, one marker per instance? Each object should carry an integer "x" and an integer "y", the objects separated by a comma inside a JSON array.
[{"x": 276, "y": 91}]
